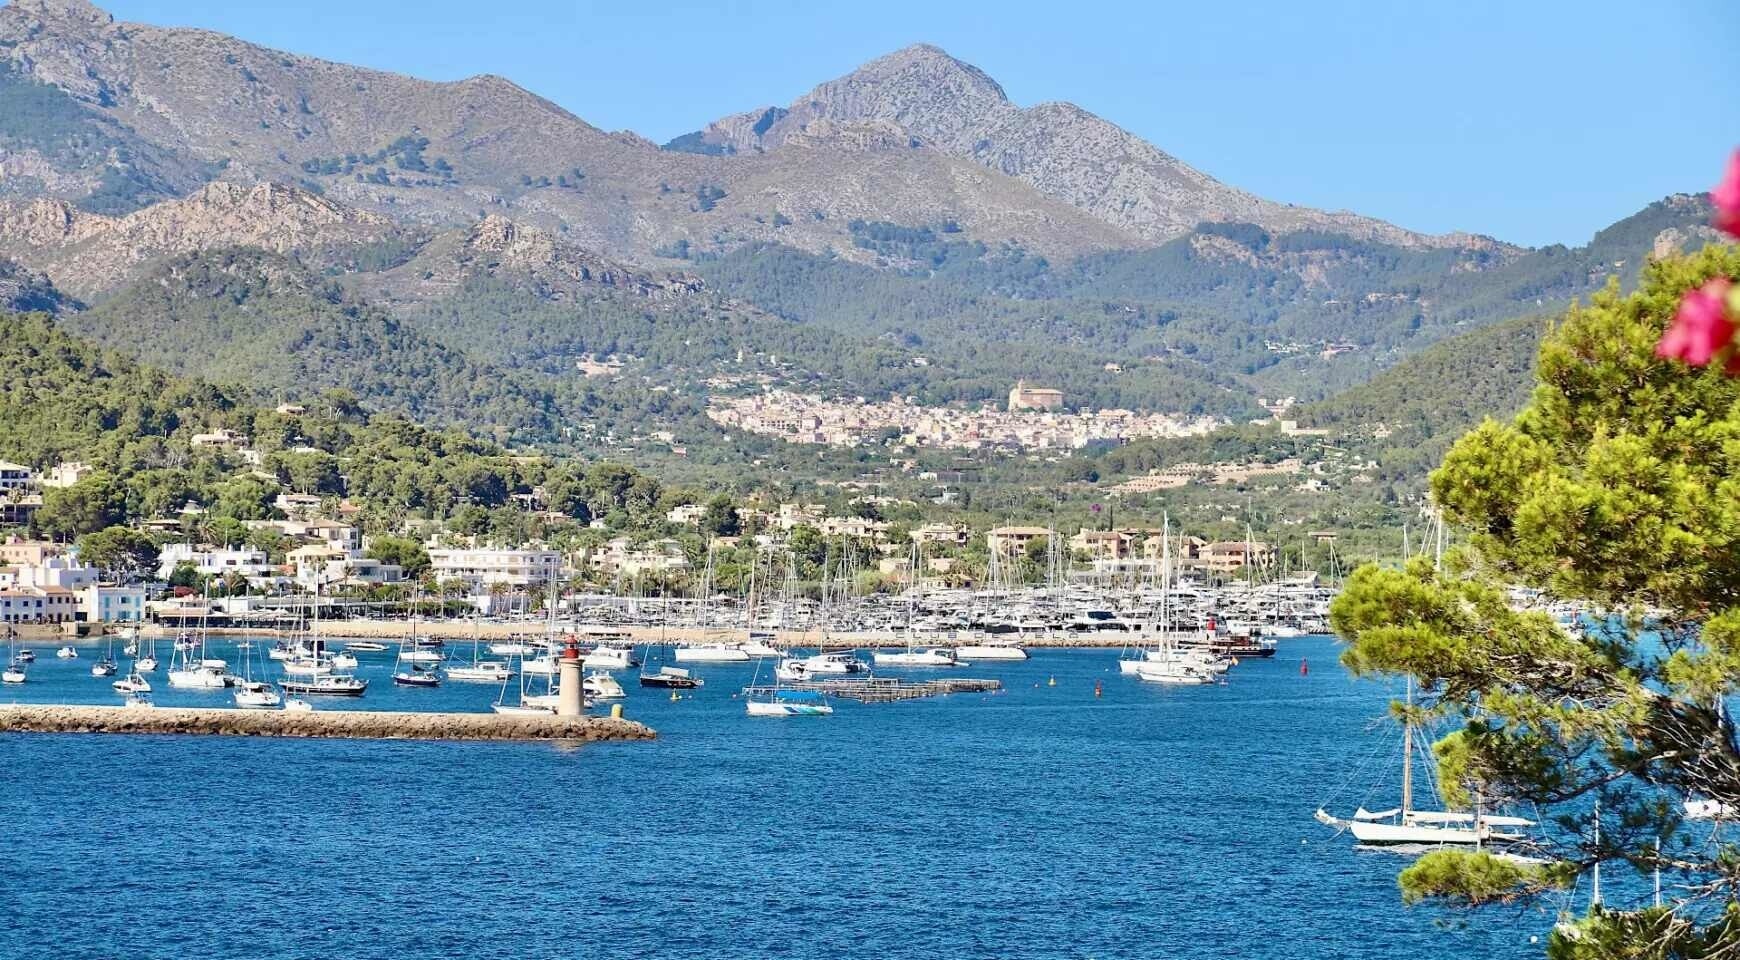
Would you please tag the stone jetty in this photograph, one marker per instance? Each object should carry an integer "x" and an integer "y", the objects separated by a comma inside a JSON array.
[{"x": 356, "y": 724}]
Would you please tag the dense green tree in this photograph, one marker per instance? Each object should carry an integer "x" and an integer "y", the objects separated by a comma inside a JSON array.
[
  {"x": 85, "y": 507},
  {"x": 121, "y": 552},
  {"x": 1615, "y": 486},
  {"x": 403, "y": 551},
  {"x": 720, "y": 518}
]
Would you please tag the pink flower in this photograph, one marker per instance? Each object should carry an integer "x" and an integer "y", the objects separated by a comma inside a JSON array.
[
  {"x": 1726, "y": 198},
  {"x": 1701, "y": 327}
]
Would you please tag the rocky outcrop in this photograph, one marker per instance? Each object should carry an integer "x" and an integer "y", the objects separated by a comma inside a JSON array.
[{"x": 87, "y": 254}]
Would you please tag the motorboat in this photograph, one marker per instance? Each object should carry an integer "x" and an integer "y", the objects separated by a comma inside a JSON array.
[
  {"x": 25, "y": 655},
  {"x": 513, "y": 648},
  {"x": 483, "y": 671},
  {"x": 256, "y": 695},
  {"x": 343, "y": 660},
  {"x": 104, "y": 668},
  {"x": 712, "y": 653},
  {"x": 67, "y": 653},
  {"x": 544, "y": 666},
  {"x": 298, "y": 705},
  {"x": 600, "y": 685},
  {"x": 991, "y": 651},
  {"x": 911, "y": 657},
  {"x": 761, "y": 645},
  {"x": 132, "y": 683},
  {"x": 138, "y": 701},
  {"x": 787, "y": 703},
  {"x": 325, "y": 685},
  {"x": 834, "y": 664},
  {"x": 366, "y": 646},
  {"x": 675, "y": 678},
  {"x": 610, "y": 658},
  {"x": 419, "y": 655}
]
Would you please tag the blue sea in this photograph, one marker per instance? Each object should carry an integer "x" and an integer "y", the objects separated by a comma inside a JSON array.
[{"x": 1044, "y": 821}]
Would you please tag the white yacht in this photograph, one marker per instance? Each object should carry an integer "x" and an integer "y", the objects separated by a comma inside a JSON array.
[
  {"x": 600, "y": 685},
  {"x": 991, "y": 650},
  {"x": 712, "y": 653},
  {"x": 67, "y": 653},
  {"x": 914, "y": 657},
  {"x": 610, "y": 658}
]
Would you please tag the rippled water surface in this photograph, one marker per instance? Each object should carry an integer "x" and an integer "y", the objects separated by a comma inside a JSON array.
[{"x": 1040, "y": 822}]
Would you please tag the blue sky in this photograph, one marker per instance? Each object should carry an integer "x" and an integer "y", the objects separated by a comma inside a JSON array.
[{"x": 1536, "y": 122}]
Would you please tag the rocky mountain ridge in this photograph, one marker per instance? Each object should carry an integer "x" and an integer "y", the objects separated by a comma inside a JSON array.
[{"x": 1063, "y": 151}]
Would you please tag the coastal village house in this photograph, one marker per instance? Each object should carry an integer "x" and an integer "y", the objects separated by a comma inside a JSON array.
[
  {"x": 66, "y": 474},
  {"x": 17, "y": 553},
  {"x": 483, "y": 568},
  {"x": 214, "y": 561},
  {"x": 1008, "y": 541},
  {"x": 108, "y": 603},
  {"x": 940, "y": 534},
  {"x": 38, "y": 605},
  {"x": 1101, "y": 544},
  {"x": 1231, "y": 555}
]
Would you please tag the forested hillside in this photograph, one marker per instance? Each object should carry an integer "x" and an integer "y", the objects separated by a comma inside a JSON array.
[
  {"x": 262, "y": 320},
  {"x": 63, "y": 399},
  {"x": 1305, "y": 313}
]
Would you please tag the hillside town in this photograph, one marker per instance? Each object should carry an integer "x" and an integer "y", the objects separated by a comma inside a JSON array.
[{"x": 1034, "y": 419}]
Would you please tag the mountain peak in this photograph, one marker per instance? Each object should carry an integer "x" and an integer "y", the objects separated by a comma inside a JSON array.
[
  {"x": 923, "y": 63},
  {"x": 1058, "y": 148},
  {"x": 80, "y": 11}
]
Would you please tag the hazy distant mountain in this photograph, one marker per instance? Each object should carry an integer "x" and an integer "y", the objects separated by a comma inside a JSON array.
[{"x": 1062, "y": 150}]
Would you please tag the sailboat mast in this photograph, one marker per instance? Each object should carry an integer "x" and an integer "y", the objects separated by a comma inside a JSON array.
[{"x": 1408, "y": 754}]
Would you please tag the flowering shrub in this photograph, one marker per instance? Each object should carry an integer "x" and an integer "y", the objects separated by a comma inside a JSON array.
[{"x": 1703, "y": 328}]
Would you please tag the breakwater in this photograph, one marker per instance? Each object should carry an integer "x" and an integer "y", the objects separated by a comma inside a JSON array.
[{"x": 354, "y": 724}]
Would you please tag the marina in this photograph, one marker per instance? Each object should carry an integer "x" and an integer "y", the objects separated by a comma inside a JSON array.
[{"x": 1063, "y": 814}]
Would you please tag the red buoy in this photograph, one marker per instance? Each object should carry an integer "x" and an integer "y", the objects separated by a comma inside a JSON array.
[{"x": 1304, "y": 667}]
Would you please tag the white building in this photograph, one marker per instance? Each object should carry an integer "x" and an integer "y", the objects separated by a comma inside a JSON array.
[
  {"x": 485, "y": 567},
  {"x": 326, "y": 565},
  {"x": 216, "y": 562},
  {"x": 67, "y": 474},
  {"x": 688, "y": 514},
  {"x": 106, "y": 603},
  {"x": 13, "y": 476},
  {"x": 38, "y": 605},
  {"x": 56, "y": 572}
]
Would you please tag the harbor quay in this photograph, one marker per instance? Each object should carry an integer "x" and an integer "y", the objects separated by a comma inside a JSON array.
[{"x": 342, "y": 724}]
